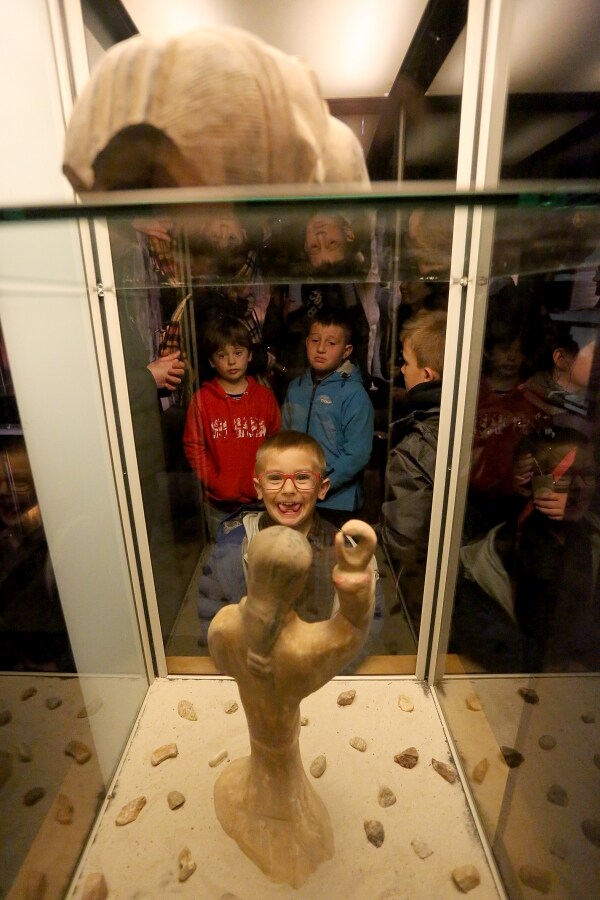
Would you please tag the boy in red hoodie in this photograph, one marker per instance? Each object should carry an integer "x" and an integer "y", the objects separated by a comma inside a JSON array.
[{"x": 227, "y": 420}]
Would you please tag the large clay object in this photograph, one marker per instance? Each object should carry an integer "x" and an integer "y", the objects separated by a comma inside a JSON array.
[
  {"x": 265, "y": 802},
  {"x": 233, "y": 110}
]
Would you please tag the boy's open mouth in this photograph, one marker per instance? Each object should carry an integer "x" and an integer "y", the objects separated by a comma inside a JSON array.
[{"x": 287, "y": 509}]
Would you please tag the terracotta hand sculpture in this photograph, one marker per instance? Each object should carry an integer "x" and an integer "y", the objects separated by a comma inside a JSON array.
[{"x": 265, "y": 802}]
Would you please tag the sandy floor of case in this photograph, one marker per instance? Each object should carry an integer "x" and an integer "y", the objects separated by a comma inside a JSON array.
[
  {"x": 525, "y": 828},
  {"x": 140, "y": 860}
]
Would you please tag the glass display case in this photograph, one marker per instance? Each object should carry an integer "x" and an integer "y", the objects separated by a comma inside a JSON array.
[{"x": 480, "y": 482}]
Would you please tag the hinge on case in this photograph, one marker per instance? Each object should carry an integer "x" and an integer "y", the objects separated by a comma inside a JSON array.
[{"x": 100, "y": 290}]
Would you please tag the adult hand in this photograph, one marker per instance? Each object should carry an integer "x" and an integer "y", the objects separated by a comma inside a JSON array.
[{"x": 168, "y": 370}]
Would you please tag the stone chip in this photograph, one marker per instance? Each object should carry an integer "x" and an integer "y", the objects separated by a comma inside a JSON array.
[
  {"x": 5, "y": 716},
  {"x": 346, "y": 698},
  {"x": 536, "y": 878},
  {"x": 33, "y": 796},
  {"x": 405, "y": 703},
  {"x": 26, "y": 695},
  {"x": 358, "y": 743},
  {"x": 421, "y": 848},
  {"x": 408, "y": 758},
  {"x": 447, "y": 771},
  {"x": 591, "y": 829},
  {"x": 187, "y": 866},
  {"x": 512, "y": 757},
  {"x": 374, "y": 831},
  {"x": 63, "y": 810},
  {"x": 231, "y": 707},
  {"x": 24, "y": 752},
  {"x": 547, "y": 742},
  {"x": 186, "y": 710},
  {"x": 474, "y": 703},
  {"x": 588, "y": 718},
  {"x": 466, "y": 878},
  {"x": 35, "y": 884},
  {"x": 386, "y": 797},
  {"x": 557, "y": 795},
  {"x": 175, "y": 799},
  {"x": 79, "y": 751},
  {"x": 480, "y": 770},
  {"x": 130, "y": 811},
  {"x": 95, "y": 887},
  {"x": 529, "y": 695},
  {"x": 90, "y": 709},
  {"x": 166, "y": 751},
  {"x": 318, "y": 766},
  {"x": 53, "y": 702},
  {"x": 216, "y": 760}
]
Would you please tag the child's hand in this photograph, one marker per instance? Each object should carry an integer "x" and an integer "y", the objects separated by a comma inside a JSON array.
[{"x": 551, "y": 504}]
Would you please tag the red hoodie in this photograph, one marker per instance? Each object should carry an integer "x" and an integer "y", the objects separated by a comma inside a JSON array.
[{"x": 222, "y": 435}]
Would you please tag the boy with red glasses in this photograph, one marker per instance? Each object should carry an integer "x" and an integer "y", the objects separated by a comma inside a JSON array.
[{"x": 289, "y": 477}]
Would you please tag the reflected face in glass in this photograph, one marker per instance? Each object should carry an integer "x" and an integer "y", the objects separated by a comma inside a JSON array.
[
  {"x": 505, "y": 360},
  {"x": 414, "y": 374},
  {"x": 326, "y": 348},
  {"x": 288, "y": 505},
  {"x": 231, "y": 362},
  {"x": 326, "y": 239},
  {"x": 225, "y": 231}
]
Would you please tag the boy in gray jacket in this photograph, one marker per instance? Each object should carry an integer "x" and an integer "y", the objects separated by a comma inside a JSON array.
[{"x": 411, "y": 464}]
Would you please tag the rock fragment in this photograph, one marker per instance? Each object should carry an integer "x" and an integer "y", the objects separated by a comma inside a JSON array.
[
  {"x": 95, "y": 887},
  {"x": 220, "y": 757},
  {"x": 466, "y": 878},
  {"x": 5, "y": 716},
  {"x": 529, "y": 695},
  {"x": 557, "y": 795},
  {"x": 588, "y": 718},
  {"x": 186, "y": 710},
  {"x": 597, "y": 760},
  {"x": 405, "y": 703},
  {"x": 318, "y": 766},
  {"x": 386, "y": 797},
  {"x": 421, "y": 848},
  {"x": 473, "y": 702},
  {"x": 24, "y": 752},
  {"x": 34, "y": 885},
  {"x": 559, "y": 848},
  {"x": 26, "y": 695},
  {"x": 447, "y": 771},
  {"x": 536, "y": 878},
  {"x": 63, "y": 810},
  {"x": 130, "y": 811},
  {"x": 480, "y": 770},
  {"x": 408, "y": 758},
  {"x": 358, "y": 743},
  {"x": 591, "y": 829},
  {"x": 166, "y": 751},
  {"x": 187, "y": 866},
  {"x": 33, "y": 796},
  {"x": 512, "y": 757},
  {"x": 53, "y": 702},
  {"x": 374, "y": 831},
  {"x": 90, "y": 709},
  {"x": 303, "y": 720},
  {"x": 6, "y": 767},
  {"x": 175, "y": 799},
  {"x": 79, "y": 751},
  {"x": 231, "y": 707},
  {"x": 346, "y": 698},
  {"x": 547, "y": 742}
]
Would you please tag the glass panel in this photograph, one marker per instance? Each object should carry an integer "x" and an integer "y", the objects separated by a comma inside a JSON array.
[
  {"x": 72, "y": 672},
  {"x": 526, "y": 618}
]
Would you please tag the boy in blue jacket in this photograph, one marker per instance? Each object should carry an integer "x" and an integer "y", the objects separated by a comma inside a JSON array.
[{"x": 329, "y": 402}]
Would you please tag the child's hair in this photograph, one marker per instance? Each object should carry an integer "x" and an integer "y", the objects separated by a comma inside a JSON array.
[
  {"x": 426, "y": 331},
  {"x": 225, "y": 330},
  {"x": 328, "y": 315},
  {"x": 288, "y": 439}
]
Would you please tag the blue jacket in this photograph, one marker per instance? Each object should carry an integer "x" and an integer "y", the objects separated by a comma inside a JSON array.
[{"x": 338, "y": 413}]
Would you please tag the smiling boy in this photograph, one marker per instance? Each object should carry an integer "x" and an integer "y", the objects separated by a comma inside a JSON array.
[
  {"x": 227, "y": 420},
  {"x": 289, "y": 478},
  {"x": 329, "y": 402}
]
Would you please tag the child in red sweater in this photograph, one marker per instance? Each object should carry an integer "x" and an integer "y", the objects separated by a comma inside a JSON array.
[{"x": 227, "y": 420}]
